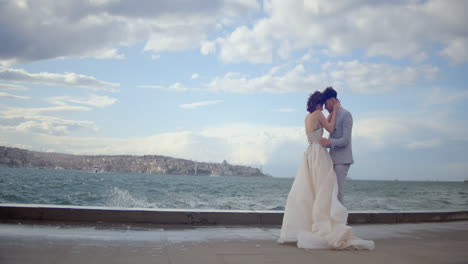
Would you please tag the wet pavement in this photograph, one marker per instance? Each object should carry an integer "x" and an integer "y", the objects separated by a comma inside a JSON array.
[{"x": 444, "y": 242}]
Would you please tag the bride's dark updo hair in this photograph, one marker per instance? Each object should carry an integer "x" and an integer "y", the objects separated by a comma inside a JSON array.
[{"x": 314, "y": 99}]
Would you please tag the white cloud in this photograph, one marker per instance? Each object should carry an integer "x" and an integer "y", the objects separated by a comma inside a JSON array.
[
  {"x": 308, "y": 56},
  {"x": 177, "y": 40},
  {"x": 34, "y": 126},
  {"x": 253, "y": 143},
  {"x": 396, "y": 29},
  {"x": 12, "y": 96},
  {"x": 245, "y": 45},
  {"x": 242, "y": 143},
  {"x": 41, "y": 30},
  {"x": 296, "y": 79},
  {"x": 199, "y": 104},
  {"x": 245, "y": 144},
  {"x": 13, "y": 87},
  {"x": 284, "y": 110},
  {"x": 151, "y": 86},
  {"x": 353, "y": 76},
  {"x": 380, "y": 131},
  {"x": 21, "y": 112},
  {"x": 39, "y": 119},
  {"x": 208, "y": 47},
  {"x": 155, "y": 57},
  {"x": 195, "y": 76},
  {"x": 62, "y": 127},
  {"x": 422, "y": 128},
  {"x": 408, "y": 130},
  {"x": 376, "y": 78},
  {"x": 108, "y": 54},
  {"x": 66, "y": 79},
  {"x": 439, "y": 96},
  {"x": 425, "y": 144},
  {"x": 178, "y": 87},
  {"x": 93, "y": 100},
  {"x": 457, "y": 50}
]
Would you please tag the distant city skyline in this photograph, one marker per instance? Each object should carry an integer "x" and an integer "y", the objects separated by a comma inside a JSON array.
[{"x": 229, "y": 80}]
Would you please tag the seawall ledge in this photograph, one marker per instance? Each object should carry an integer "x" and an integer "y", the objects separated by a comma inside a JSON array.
[{"x": 44, "y": 213}]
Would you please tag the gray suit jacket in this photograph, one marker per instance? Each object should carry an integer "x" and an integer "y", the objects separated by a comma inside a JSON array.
[{"x": 341, "y": 148}]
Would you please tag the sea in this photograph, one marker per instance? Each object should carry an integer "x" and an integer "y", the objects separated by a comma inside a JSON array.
[{"x": 135, "y": 190}]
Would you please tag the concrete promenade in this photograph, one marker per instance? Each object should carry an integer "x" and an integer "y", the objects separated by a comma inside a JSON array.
[
  {"x": 443, "y": 242},
  {"x": 75, "y": 234}
]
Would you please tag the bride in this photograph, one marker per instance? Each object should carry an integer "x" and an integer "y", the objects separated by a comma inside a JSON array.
[{"x": 313, "y": 216}]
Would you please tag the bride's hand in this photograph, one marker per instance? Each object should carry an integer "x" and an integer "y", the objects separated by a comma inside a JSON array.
[{"x": 337, "y": 106}]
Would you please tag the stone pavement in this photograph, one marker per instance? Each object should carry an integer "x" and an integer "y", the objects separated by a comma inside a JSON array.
[{"x": 443, "y": 242}]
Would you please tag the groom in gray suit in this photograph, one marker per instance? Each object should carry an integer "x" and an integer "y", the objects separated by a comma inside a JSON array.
[{"x": 339, "y": 141}]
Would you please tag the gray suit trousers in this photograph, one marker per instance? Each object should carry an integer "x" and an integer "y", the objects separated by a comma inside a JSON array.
[{"x": 341, "y": 171}]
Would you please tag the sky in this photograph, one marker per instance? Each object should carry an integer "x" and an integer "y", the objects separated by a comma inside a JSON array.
[{"x": 229, "y": 80}]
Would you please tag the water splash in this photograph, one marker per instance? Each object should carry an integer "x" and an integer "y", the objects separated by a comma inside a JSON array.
[{"x": 122, "y": 198}]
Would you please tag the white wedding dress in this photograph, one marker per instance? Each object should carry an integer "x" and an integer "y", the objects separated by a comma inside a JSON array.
[{"x": 313, "y": 216}]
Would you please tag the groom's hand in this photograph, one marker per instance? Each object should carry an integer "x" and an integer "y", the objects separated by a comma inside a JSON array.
[{"x": 325, "y": 142}]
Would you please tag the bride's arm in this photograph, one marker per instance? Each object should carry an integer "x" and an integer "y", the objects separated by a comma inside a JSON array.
[{"x": 329, "y": 126}]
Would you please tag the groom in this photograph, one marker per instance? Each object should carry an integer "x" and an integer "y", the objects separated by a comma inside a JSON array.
[{"x": 339, "y": 141}]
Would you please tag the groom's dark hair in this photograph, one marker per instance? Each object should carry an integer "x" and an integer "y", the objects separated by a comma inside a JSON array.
[{"x": 328, "y": 93}]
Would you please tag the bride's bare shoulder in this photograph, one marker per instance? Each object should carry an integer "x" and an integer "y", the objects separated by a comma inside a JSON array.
[
  {"x": 313, "y": 116},
  {"x": 314, "y": 113},
  {"x": 310, "y": 115}
]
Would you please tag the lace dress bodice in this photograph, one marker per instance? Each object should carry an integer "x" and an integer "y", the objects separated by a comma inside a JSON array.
[{"x": 315, "y": 136}]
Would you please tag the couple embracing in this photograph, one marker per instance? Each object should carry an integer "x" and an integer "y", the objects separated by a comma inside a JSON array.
[{"x": 314, "y": 216}]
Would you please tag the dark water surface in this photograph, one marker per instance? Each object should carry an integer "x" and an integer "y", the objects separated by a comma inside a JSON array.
[{"x": 61, "y": 187}]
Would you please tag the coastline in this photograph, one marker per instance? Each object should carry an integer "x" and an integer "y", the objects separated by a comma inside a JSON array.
[{"x": 148, "y": 164}]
